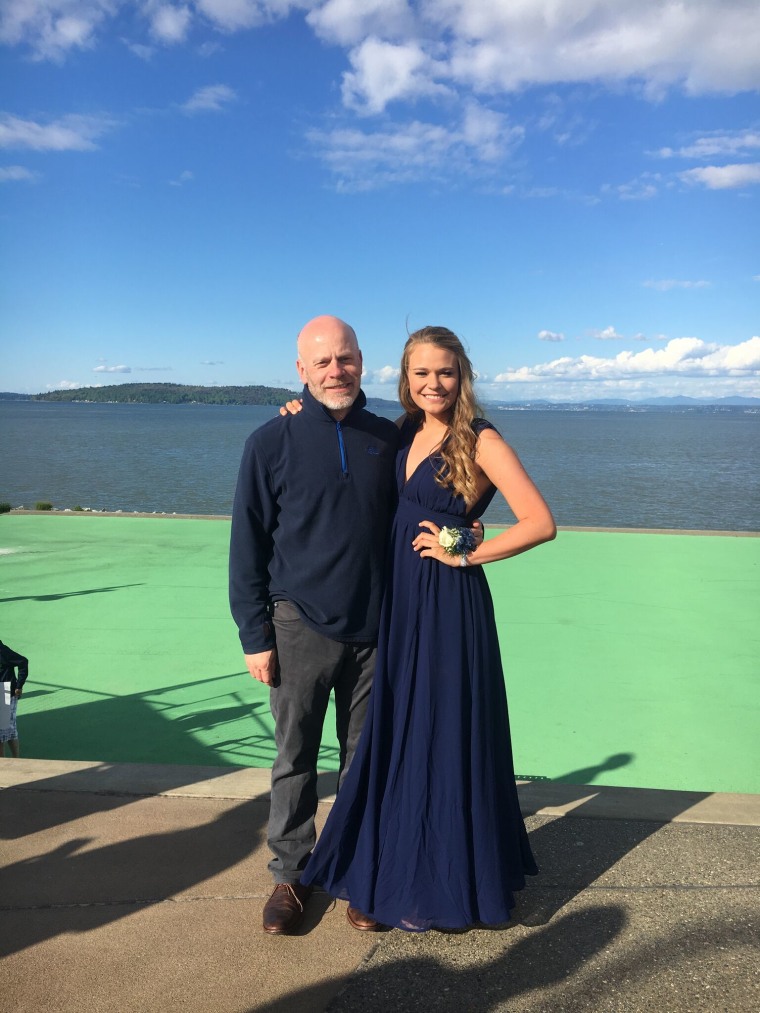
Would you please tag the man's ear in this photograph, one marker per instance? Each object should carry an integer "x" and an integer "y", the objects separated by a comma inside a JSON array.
[{"x": 301, "y": 370}]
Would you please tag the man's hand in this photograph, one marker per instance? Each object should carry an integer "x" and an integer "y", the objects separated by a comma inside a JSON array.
[{"x": 262, "y": 666}]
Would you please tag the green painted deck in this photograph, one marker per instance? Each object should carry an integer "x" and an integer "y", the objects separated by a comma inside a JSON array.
[{"x": 631, "y": 658}]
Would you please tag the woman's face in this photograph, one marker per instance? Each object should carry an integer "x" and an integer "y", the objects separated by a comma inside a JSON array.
[{"x": 433, "y": 375}]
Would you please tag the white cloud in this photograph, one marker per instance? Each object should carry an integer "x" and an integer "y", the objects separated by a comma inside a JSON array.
[
  {"x": 17, "y": 174},
  {"x": 386, "y": 374},
  {"x": 643, "y": 188},
  {"x": 70, "y": 133},
  {"x": 714, "y": 177},
  {"x": 348, "y": 22},
  {"x": 212, "y": 98},
  {"x": 51, "y": 28},
  {"x": 666, "y": 284},
  {"x": 490, "y": 47},
  {"x": 207, "y": 49},
  {"x": 710, "y": 145},
  {"x": 212, "y": 362},
  {"x": 184, "y": 177},
  {"x": 385, "y": 72},
  {"x": 368, "y": 159},
  {"x": 234, "y": 15},
  {"x": 608, "y": 334},
  {"x": 724, "y": 177},
  {"x": 168, "y": 23},
  {"x": 701, "y": 47},
  {"x": 65, "y": 385},
  {"x": 561, "y": 118},
  {"x": 550, "y": 336},
  {"x": 487, "y": 132},
  {"x": 487, "y": 46},
  {"x": 680, "y": 357},
  {"x": 112, "y": 369},
  {"x": 140, "y": 50}
]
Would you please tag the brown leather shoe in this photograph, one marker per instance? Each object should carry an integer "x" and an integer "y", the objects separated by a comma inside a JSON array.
[
  {"x": 283, "y": 911},
  {"x": 361, "y": 921}
]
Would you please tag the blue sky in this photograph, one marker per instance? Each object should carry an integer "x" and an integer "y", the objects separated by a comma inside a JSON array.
[{"x": 570, "y": 185}]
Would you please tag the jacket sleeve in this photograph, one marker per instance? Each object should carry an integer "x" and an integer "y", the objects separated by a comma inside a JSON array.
[
  {"x": 14, "y": 660},
  {"x": 254, "y": 517}
]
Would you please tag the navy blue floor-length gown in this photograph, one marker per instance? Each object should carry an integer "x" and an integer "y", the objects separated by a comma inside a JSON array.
[{"x": 426, "y": 831}]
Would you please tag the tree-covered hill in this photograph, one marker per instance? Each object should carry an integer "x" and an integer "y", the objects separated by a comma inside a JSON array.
[{"x": 172, "y": 393}]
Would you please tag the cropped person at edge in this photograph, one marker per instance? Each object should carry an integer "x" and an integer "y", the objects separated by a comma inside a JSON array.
[{"x": 10, "y": 660}]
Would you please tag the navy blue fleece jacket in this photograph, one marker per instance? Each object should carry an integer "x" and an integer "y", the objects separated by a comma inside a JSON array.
[
  {"x": 310, "y": 523},
  {"x": 9, "y": 662}
]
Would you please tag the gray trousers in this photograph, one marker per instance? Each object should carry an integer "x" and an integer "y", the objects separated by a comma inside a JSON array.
[{"x": 310, "y": 667}]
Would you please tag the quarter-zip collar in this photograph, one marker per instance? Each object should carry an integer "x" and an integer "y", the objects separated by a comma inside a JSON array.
[{"x": 317, "y": 410}]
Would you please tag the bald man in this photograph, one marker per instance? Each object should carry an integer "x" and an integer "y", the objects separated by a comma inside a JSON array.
[{"x": 310, "y": 522}]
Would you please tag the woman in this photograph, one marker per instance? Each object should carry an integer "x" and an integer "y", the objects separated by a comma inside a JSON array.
[{"x": 426, "y": 831}]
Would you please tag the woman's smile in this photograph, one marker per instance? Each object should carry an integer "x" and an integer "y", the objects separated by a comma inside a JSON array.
[{"x": 433, "y": 379}]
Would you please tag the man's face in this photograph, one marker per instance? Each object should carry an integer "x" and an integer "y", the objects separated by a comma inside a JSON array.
[{"x": 330, "y": 364}]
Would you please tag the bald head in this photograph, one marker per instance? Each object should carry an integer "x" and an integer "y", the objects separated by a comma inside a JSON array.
[
  {"x": 330, "y": 363},
  {"x": 322, "y": 329}
]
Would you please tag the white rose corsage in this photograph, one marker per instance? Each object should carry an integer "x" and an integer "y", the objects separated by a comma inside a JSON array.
[{"x": 457, "y": 541}]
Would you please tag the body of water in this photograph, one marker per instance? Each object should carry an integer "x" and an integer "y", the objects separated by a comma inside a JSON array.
[{"x": 665, "y": 468}]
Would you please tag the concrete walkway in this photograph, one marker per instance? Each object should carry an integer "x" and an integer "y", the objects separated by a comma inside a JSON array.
[{"x": 134, "y": 887}]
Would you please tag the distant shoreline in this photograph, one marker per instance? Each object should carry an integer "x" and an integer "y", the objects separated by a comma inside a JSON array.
[{"x": 247, "y": 395}]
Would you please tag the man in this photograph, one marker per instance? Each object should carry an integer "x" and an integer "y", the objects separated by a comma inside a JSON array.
[{"x": 309, "y": 531}]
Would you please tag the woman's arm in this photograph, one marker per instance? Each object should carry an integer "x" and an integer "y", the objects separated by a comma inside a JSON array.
[
  {"x": 535, "y": 524},
  {"x": 292, "y": 407}
]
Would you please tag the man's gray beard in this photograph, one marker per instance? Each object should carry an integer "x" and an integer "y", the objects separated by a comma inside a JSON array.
[{"x": 334, "y": 404}]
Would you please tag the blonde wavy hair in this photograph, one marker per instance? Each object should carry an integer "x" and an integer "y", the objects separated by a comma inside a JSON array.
[{"x": 458, "y": 471}]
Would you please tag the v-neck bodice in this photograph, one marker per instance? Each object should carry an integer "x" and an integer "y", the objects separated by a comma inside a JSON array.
[{"x": 421, "y": 486}]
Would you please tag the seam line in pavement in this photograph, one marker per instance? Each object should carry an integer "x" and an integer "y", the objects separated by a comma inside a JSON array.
[
  {"x": 133, "y": 902},
  {"x": 570, "y": 887},
  {"x": 674, "y": 887}
]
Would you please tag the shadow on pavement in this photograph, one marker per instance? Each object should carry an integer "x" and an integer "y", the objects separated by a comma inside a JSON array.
[
  {"x": 79, "y": 890},
  {"x": 85, "y": 889},
  {"x": 423, "y": 982},
  {"x": 572, "y": 854},
  {"x": 24, "y": 809},
  {"x": 581, "y": 953}
]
